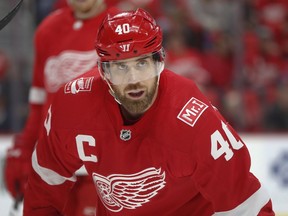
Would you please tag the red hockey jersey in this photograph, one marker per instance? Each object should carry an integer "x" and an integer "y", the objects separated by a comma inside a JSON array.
[
  {"x": 180, "y": 159},
  {"x": 64, "y": 49}
]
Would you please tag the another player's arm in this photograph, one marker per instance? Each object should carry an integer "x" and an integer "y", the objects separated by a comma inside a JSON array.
[
  {"x": 223, "y": 174},
  {"x": 18, "y": 159},
  {"x": 52, "y": 175}
]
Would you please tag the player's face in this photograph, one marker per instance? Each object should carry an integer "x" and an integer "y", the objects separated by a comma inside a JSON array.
[
  {"x": 84, "y": 7},
  {"x": 135, "y": 83},
  {"x": 133, "y": 70}
]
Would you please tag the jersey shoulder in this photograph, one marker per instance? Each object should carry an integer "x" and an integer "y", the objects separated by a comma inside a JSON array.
[
  {"x": 81, "y": 89},
  {"x": 190, "y": 118},
  {"x": 54, "y": 21},
  {"x": 188, "y": 105},
  {"x": 79, "y": 100},
  {"x": 178, "y": 90}
]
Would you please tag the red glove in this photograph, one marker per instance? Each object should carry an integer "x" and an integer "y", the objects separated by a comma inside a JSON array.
[{"x": 18, "y": 166}]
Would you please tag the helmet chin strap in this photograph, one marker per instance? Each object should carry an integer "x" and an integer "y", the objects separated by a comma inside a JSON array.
[{"x": 111, "y": 91}]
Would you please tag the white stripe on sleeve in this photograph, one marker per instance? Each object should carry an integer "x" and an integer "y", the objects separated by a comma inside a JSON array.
[
  {"x": 249, "y": 207},
  {"x": 48, "y": 175},
  {"x": 82, "y": 171},
  {"x": 37, "y": 95}
]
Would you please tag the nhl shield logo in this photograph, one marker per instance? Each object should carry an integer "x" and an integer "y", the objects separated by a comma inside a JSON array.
[{"x": 125, "y": 135}]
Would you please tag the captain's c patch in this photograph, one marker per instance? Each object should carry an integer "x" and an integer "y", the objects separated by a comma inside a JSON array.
[{"x": 192, "y": 110}]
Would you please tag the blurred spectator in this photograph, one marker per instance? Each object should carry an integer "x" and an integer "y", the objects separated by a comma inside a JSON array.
[
  {"x": 218, "y": 61},
  {"x": 153, "y": 6},
  {"x": 232, "y": 107},
  {"x": 184, "y": 60},
  {"x": 4, "y": 112},
  {"x": 276, "y": 116},
  {"x": 272, "y": 14},
  {"x": 252, "y": 111},
  {"x": 59, "y": 4},
  {"x": 212, "y": 15},
  {"x": 4, "y": 64},
  {"x": 43, "y": 8},
  {"x": 251, "y": 43},
  {"x": 265, "y": 67}
]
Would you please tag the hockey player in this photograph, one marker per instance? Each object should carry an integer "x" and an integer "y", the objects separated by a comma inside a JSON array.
[
  {"x": 64, "y": 49},
  {"x": 149, "y": 139}
]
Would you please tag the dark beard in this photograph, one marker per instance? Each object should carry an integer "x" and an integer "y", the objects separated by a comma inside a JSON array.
[{"x": 137, "y": 107}]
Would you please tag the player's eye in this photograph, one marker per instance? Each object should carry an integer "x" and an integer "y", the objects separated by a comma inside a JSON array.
[
  {"x": 122, "y": 66},
  {"x": 142, "y": 63}
]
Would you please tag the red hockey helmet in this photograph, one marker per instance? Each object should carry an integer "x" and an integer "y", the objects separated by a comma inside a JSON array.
[{"x": 128, "y": 34}]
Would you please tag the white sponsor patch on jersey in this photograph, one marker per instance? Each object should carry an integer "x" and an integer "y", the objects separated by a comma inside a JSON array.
[
  {"x": 67, "y": 66},
  {"x": 79, "y": 85},
  {"x": 120, "y": 191},
  {"x": 191, "y": 112}
]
